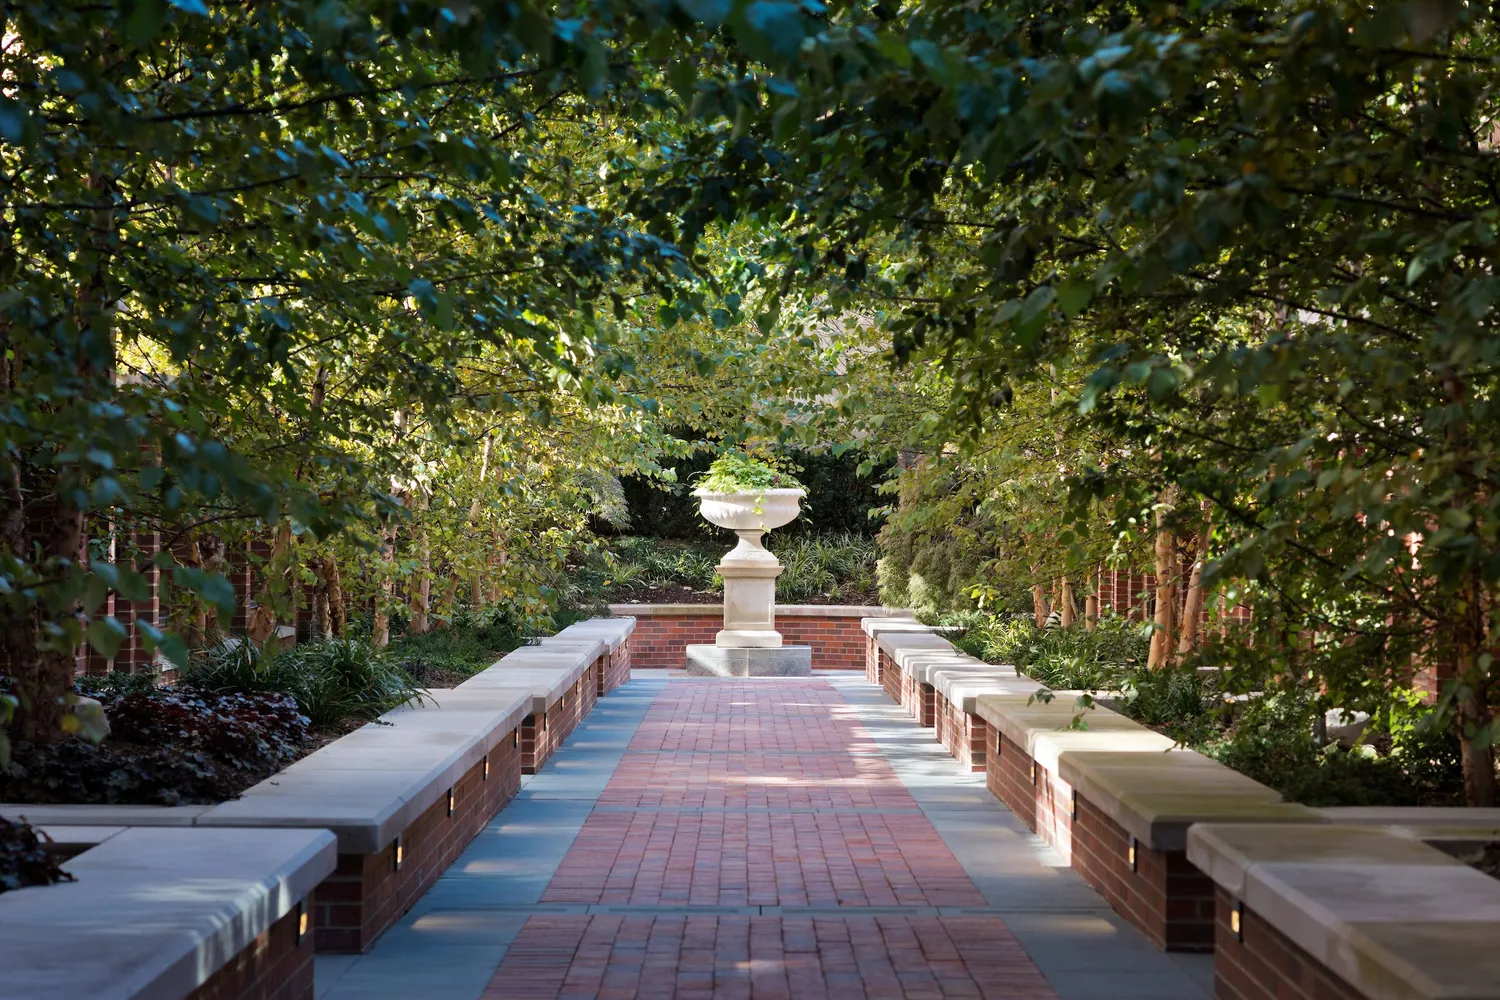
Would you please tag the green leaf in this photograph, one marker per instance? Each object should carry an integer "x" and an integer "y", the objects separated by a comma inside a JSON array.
[
  {"x": 105, "y": 635},
  {"x": 1073, "y": 295}
]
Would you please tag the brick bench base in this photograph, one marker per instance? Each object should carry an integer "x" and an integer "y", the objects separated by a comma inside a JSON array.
[
  {"x": 1169, "y": 899},
  {"x": 1165, "y": 896},
  {"x": 542, "y": 734},
  {"x": 616, "y": 672},
  {"x": 276, "y": 966},
  {"x": 368, "y": 893},
  {"x": 963, "y": 733},
  {"x": 1266, "y": 964}
]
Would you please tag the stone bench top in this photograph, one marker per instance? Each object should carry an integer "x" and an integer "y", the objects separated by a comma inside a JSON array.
[
  {"x": 155, "y": 912},
  {"x": 589, "y": 647},
  {"x": 963, "y": 686},
  {"x": 370, "y": 785},
  {"x": 924, "y": 664},
  {"x": 1156, "y": 796},
  {"x": 876, "y": 626},
  {"x": 103, "y": 815},
  {"x": 611, "y": 631},
  {"x": 1395, "y": 918},
  {"x": 1023, "y": 721},
  {"x": 548, "y": 671}
]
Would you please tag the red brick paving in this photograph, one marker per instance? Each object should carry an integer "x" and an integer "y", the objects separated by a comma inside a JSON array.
[{"x": 737, "y": 794}]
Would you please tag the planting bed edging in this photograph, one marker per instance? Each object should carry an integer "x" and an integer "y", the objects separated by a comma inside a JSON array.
[
  {"x": 564, "y": 679},
  {"x": 874, "y": 627},
  {"x": 167, "y": 913},
  {"x": 1346, "y": 912}
]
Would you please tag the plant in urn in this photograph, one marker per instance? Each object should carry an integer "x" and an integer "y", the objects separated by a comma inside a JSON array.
[{"x": 749, "y": 498}]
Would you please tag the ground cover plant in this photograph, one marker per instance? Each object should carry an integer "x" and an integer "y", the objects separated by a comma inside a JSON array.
[
  {"x": 166, "y": 746},
  {"x": 25, "y": 860}
]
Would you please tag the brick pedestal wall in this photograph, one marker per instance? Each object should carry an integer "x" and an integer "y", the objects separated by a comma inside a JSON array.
[
  {"x": 542, "y": 734},
  {"x": 872, "y": 660},
  {"x": 1267, "y": 965},
  {"x": 614, "y": 669},
  {"x": 660, "y": 640},
  {"x": 890, "y": 678},
  {"x": 962, "y": 733},
  {"x": 274, "y": 967},
  {"x": 368, "y": 893},
  {"x": 1169, "y": 899}
]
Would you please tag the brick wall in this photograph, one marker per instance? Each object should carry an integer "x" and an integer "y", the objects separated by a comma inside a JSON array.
[
  {"x": 890, "y": 678},
  {"x": 1267, "y": 965},
  {"x": 962, "y": 733},
  {"x": 616, "y": 669},
  {"x": 1165, "y": 896},
  {"x": 541, "y": 735},
  {"x": 368, "y": 893},
  {"x": 1169, "y": 899},
  {"x": 275, "y": 966},
  {"x": 660, "y": 639}
]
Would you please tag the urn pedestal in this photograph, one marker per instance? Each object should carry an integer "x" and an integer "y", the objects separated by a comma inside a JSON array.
[{"x": 748, "y": 645}]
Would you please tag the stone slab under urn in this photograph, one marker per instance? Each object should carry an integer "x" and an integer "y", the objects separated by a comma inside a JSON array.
[{"x": 749, "y": 661}]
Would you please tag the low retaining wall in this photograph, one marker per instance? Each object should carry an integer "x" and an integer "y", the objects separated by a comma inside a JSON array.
[
  {"x": 160, "y": 914},
  {"x": 664, "y": 631},
  {"x": 1346, "y": 913},
  {"x": 406, "y": 795}
]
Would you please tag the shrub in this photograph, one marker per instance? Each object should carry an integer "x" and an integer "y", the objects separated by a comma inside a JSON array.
[
  {"x": 331, "y": 681},
  {"x": 24, "y": 860},
  {"x": 166, "y": 747},
  {"x": 472, "y": 640}
]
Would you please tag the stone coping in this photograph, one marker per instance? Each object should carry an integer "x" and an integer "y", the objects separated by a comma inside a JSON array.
[
  {"x": 370, "y": 785},
  {"x": 546, "y": 671},
  {"x": 923, "y": 664},
  {"x": 1157, "y": 796},
  {"x": 155, "y": 912},
  {"x": 963, "y": 686},
  {"x": 875, "y": 626},
  {"x": 103, "y": 815},
  {"x": 901, "y": 645},
  {"x": 786, "y": 610},
  {"x": 1393, "y": 917},
  {"x": 1023, "y": 721},
  {"x": 613, "y": 632},
  {"x": 1413, "y": 816}
]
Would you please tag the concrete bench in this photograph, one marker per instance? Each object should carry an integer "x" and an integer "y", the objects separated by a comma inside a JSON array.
[
  {"x": 898, "y": 653},
  {"x": 1115, "y": 800},
  {"x": 169, "y": 913},
  {"x": 404, "y": 796},
  {"x": 563, "y": 685},
  {"x": 1346, "y": 913},
  {"x": 1129, "y": 828},
  {"x": 615, "y": 633},
  {"x": 874, "y": 627},
  {"x": 957, "y": 691}
]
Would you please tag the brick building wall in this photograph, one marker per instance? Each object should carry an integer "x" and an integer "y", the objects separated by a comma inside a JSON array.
[{"x": 663, "y": 633}]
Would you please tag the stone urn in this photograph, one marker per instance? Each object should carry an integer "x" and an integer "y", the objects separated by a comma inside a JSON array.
[{"x": 749, "y": 572}]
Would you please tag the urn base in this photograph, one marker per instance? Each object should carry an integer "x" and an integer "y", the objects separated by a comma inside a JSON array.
[{"x": 763, "y": 661}]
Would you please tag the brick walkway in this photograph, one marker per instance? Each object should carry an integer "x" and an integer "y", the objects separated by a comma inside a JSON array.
[
  {"x": 799, "y": 838},
  {"x": 768, "y": 809}
]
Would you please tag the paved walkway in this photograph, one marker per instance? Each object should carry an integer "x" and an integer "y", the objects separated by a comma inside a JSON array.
[{"x": 758, "y": 839}]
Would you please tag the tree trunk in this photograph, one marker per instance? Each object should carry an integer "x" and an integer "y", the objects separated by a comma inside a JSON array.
[
  {"x": 1039, "y": 609},
  {"x": 338, "y": 614},
  {"x": 261, "y": 625},
  {"x": 1069, "y": 612},
  {"x": 1166, "y": 590},
  {"x": 1091, "y": 603},
  {"x": 1475, "y": 714},
  {"x": 421, "y": 599},
  {"x": 1192, "y": 612},
  {"x": 381, "y": 633},
  {"x": 476, "y": 586}
]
